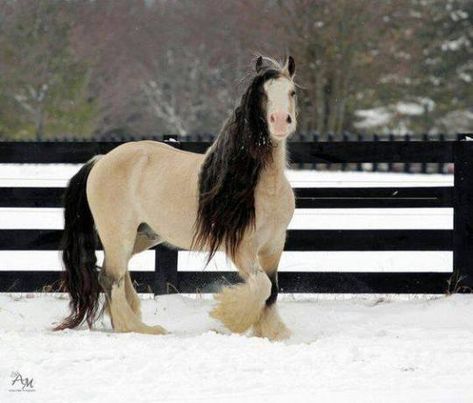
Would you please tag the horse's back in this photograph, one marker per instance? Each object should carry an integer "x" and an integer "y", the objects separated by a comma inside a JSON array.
[
  {"x": 148, "y": 149},
  {"x": 128, "y": 161}
]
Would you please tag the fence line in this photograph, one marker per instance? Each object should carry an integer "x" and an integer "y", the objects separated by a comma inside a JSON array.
[
  {"x": 167, "y": 278},
  {"x": 313, "y": 137}
]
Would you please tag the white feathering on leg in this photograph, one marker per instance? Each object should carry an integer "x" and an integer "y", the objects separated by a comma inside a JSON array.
[
  {"x": 240, "y": 306},
  {"x": 271, "y": 325}
]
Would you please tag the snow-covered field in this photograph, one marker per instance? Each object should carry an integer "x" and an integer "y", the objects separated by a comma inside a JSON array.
[
  {"x": 359, "y": 349},
  {"x": 343, "y": 348}
]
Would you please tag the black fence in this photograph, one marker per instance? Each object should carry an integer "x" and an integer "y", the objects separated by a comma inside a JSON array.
[
  {"x": 406, "y": 167},
  {"x": 166, "y": 278}
]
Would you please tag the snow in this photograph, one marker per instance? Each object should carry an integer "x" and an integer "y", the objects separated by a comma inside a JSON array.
[
  {"x": 383, "y": 116},
  {"x": 57, "y": 175},
  {"x": 356, "y": 349},
  {"x": 373, "y": 117},
  {"x": 459, "y": 121},
  {"x": 343, "y": 348},
  {"x": 409, "y": 108},
  {"x": 465, "y": 77},
  {"x": 362, "y": 218},
  {"x": 456, "y": 44},
  {"x": 458, "y": 15}
]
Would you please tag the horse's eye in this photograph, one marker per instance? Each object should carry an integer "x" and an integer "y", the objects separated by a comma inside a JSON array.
[{"x": 293, "y": 93}]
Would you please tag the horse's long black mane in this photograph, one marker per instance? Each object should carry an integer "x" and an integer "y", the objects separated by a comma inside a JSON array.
[{"x": 231, "y": 170}]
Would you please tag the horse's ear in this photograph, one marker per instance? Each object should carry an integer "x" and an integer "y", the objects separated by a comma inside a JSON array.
[
  {"x": 290, "y": 66},
  {"x": 259, "y": 64}
]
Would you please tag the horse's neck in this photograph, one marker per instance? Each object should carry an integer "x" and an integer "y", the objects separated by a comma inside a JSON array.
[{"x": 273, "y": 175}]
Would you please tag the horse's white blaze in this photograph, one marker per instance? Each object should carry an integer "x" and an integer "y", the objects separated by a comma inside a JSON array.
[{"x": 281, "y": 107}]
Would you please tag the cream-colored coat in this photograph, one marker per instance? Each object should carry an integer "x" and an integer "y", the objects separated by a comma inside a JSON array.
[
  {"x": 155, "y": 184},
  {"x": 145, "y": 193}
]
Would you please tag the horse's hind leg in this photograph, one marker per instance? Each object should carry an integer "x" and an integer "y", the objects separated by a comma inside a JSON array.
[
  {"x": 270, "y": 324},
  {"x": 118, "y": 247},
  {"x": 241, "y": 306},
  {"x": 145, "y": 238},
  {"x": 132, "y": 295}
]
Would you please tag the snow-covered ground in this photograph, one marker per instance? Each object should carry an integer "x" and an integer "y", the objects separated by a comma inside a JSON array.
[
  {"x": 343, "y": 348},
  {"x": 363, "y": 349}
]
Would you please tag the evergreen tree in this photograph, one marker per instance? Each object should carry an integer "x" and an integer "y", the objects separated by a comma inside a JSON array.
[{"x": 445, "y": 72}]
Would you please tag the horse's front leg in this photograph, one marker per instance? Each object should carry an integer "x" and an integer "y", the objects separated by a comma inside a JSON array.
[
  {"x": 241, "y": 306},
  {"x": 270, "y": 324}
]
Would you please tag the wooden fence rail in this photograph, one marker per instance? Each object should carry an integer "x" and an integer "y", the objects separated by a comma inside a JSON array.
[{"x": 166, "y": 278}]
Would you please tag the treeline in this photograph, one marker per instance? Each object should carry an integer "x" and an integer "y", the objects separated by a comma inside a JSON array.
[{"x": 83, "y": 68}]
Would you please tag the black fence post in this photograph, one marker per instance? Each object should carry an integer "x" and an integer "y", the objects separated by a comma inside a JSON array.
[
  {"x": 359, "y": 165},
  {"x": 302, "y": 138},
  {"x": 463, "y": 217},
  {"x": 315, "y": 139},
  {"x": 345, "y": 139},
  {"x": 423, "y": 166},
  {"x": 165, "y": 270},
  {"x": 330, "y": 139},
  {"x": 441, "y": 166},
  {"x": 390, "y": 164},
  {"x": 375, "y": 164},
  {"x": 407, "y": 165}
]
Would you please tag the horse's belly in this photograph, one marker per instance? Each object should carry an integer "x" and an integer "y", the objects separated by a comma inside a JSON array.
[
  {"x": 170, "y": 199},
  {"x": 173, "y": 229}
]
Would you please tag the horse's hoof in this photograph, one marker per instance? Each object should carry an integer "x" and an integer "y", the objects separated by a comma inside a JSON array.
[
  {"x": 157, "y": 330},
  {"x": 280, "y": 334},
  {"x": 271, "y": 326},
  {"x": 223, "y": 332},
  {"x": 144, "y": 329}
]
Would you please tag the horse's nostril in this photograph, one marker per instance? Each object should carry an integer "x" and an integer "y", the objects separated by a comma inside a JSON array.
[
  {"x": 289, "y": 119},
  {"x": 272, "y": 118}
]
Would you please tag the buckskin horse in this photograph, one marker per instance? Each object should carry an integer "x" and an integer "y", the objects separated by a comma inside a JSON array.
[{"x": 234, "y": 198}]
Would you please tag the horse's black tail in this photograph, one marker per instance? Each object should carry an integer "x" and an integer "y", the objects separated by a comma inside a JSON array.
[{"x": 80, "y": 278}]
